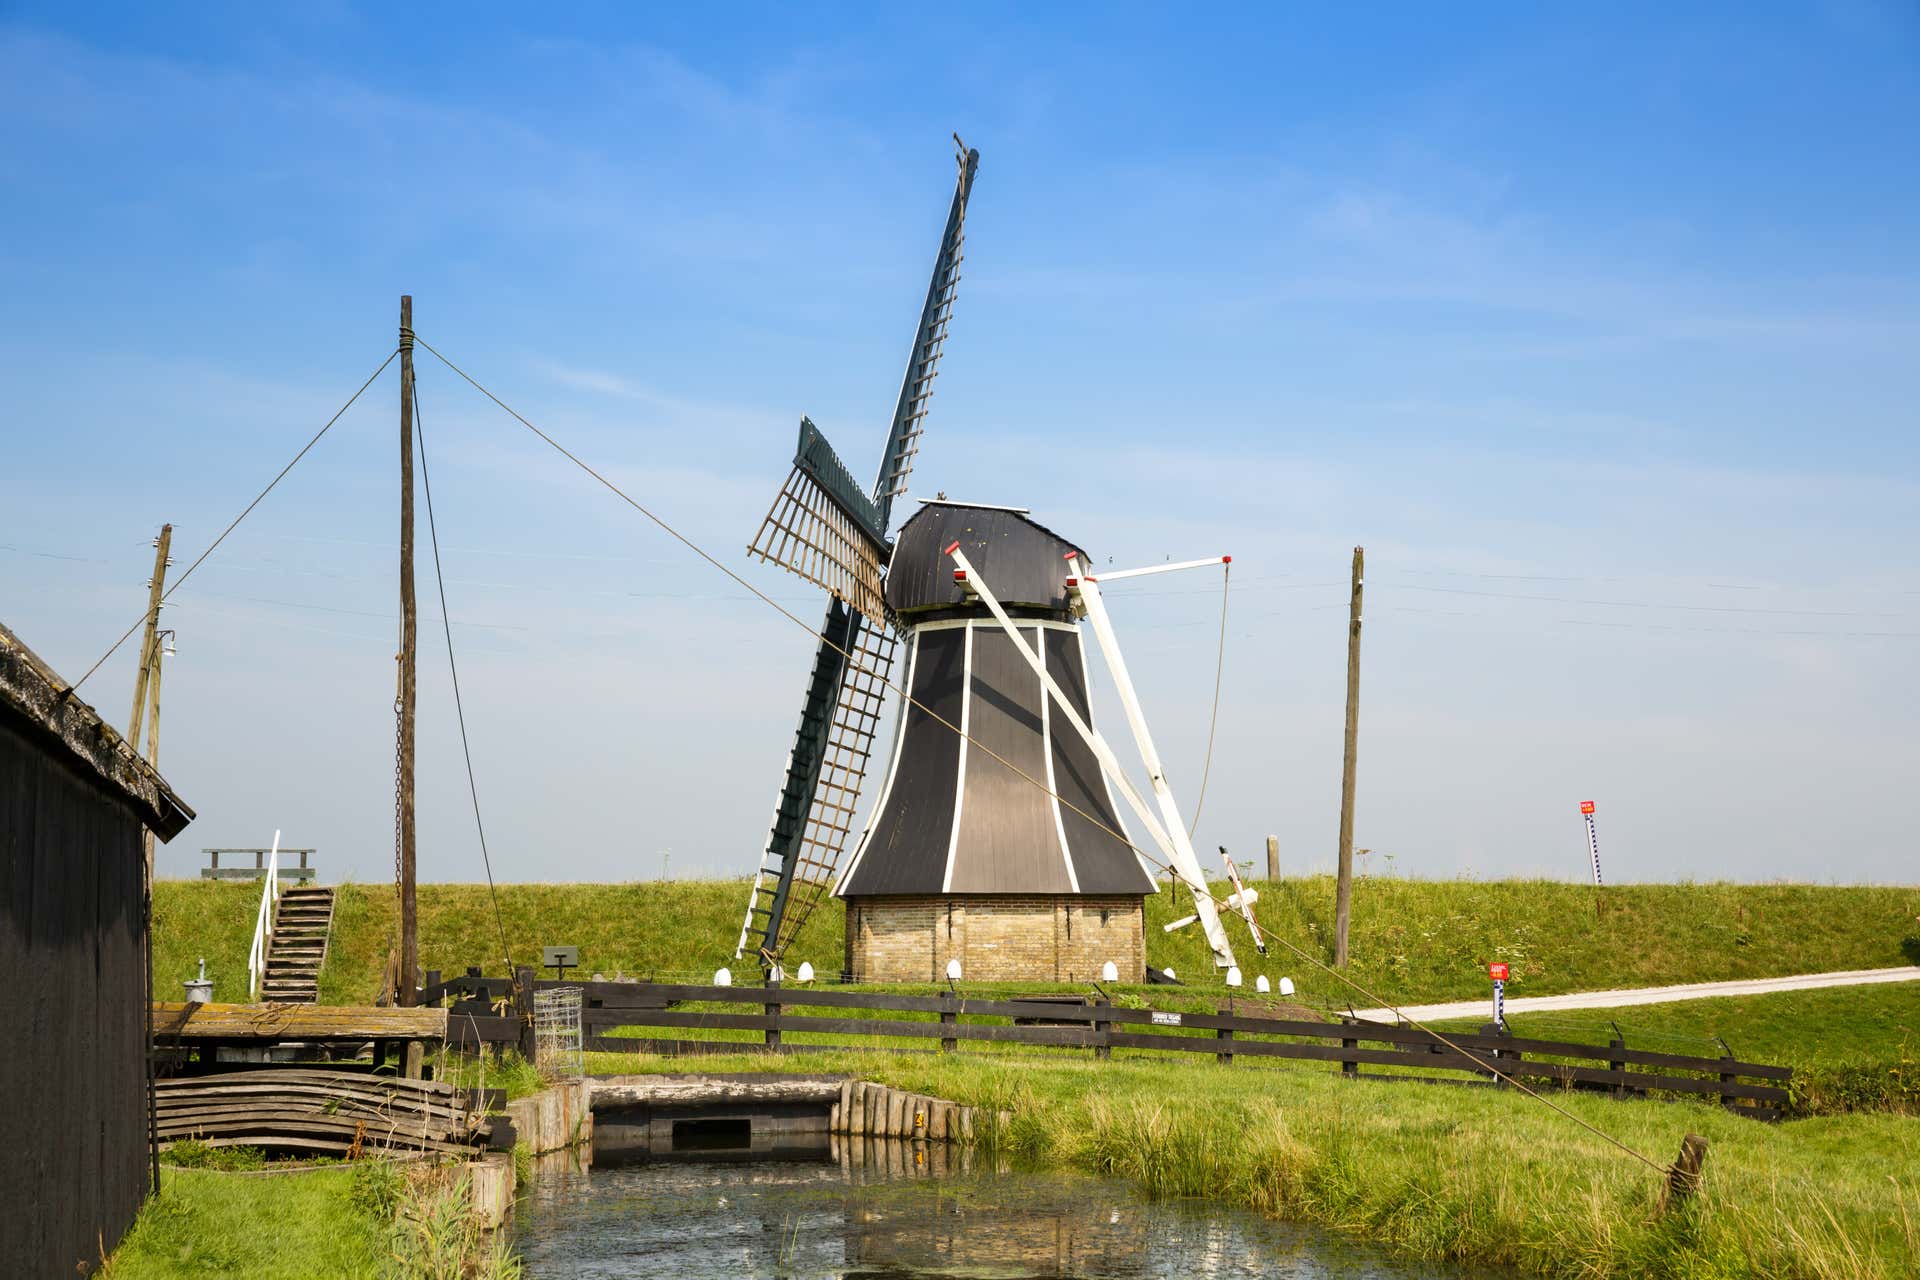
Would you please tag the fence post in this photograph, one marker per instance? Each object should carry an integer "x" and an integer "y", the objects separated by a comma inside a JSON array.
[
  {"x": 949, "y": 1016},
  {"x": 1728, "y": 1099},
  {"x": 523, "y": 1007},
  {"x": 1684, "y": 1174},
  {"x": 1102, "y": 1031},
  {"x": 1618, "y": 1045},
  {"x": 433, "y": 980},
  {"x": 1225, "y": 1056},
  {"x": 1349, "y": 1066},
  {"x": 773, "y": 1013}
]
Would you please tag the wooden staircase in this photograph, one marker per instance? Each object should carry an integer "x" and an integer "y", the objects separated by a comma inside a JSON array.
[{"x": 301, "y": 923}]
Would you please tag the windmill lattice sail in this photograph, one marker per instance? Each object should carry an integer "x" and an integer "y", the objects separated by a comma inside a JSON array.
[
  {"x": 843, "y": 773},
  {"x": 826, "y": 529},
  {"x": 923, "y": 364}
]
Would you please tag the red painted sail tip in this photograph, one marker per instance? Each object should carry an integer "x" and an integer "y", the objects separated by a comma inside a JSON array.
[
  {"x": 1226, "y": 559},
  {"x": 951, "y": 547}
]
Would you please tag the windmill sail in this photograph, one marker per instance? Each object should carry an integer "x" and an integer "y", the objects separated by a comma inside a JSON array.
[
  {"x": 823, "y": 528},
  {"x": 923, "y": 364}
]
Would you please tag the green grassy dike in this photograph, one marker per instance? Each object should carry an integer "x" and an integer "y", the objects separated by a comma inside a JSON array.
[
  {"x": 1413, "y": 940},
  {"x": 1444, "y": 1174}
]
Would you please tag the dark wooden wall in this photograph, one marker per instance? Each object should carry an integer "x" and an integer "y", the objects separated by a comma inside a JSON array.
[{"x": 73, "y": 1132}]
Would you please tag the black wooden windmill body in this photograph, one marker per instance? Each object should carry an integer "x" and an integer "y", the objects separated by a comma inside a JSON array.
[{"x": 826, "y": 528}]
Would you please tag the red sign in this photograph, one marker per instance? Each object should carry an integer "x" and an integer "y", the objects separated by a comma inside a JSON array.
[
  {"x": 1498, "y": 972},
  {"x": 1586, "y": 806}
]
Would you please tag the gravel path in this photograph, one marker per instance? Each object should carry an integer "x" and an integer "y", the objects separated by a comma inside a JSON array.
[{"x": 1648, "y": 995}]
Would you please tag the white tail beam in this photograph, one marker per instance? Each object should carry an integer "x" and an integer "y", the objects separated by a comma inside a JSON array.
[{"x": 1175, "y": 846}]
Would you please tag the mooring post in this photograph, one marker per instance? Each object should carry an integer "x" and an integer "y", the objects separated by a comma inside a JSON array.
[
  {"x": 949, "y": 1016},
  {"x": 773, "y": 1016},
  {"x": 523, "y": 1009},
  {"x": 1685, "y": 1173}
]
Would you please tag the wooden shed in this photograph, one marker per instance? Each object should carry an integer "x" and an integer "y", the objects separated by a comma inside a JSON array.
[{"x": 75, "y": 800}]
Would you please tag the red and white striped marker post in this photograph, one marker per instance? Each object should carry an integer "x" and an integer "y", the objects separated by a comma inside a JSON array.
[
  {"x": 1498, "y": 972},
  {"x": 1593, "y": 839}
]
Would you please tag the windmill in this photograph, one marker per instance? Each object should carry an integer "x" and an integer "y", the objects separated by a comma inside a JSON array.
[
  {"x": 827, "y": 529},
  {"x": 996, "y": 835}
]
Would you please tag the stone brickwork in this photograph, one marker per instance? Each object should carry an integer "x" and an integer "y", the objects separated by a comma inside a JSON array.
[{"x": 996, "y": 939}]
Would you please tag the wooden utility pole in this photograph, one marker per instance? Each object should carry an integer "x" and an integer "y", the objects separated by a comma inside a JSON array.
[
  {"x": 155, "y": 590},
  {"x": 409, "y": 636},
  {"x": 153, "y": 725},
  {"x": 146, "y": 688},
  {"x": 1343, "y": 896}
]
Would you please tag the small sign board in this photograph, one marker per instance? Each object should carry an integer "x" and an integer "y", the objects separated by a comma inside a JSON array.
[
  {"x": 1165, "y": 1019},
  {"x": 1586, "y": 806},
  {"x": 1497, "y": 971},
  {"x": 557, "y": 957}
]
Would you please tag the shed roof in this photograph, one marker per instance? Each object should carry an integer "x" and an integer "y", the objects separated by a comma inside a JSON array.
[{"x": 31, "y": 692}]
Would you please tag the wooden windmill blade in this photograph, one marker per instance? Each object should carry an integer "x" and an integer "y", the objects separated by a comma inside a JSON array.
[
  {"x": 825, "y": 529},
  {"x": 923, "y": 362}
]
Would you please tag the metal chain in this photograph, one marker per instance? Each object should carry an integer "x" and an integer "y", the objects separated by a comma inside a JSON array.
[{"x": 397, "y": 731}]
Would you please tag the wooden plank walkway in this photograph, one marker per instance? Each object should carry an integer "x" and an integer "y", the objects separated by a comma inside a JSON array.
[{"x": 185, "y": 1023}]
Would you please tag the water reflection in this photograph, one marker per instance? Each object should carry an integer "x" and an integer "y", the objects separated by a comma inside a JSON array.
[{"x": 890, "y": 1210}]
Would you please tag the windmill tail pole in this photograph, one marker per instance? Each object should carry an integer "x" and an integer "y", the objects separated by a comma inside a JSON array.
[{"x": 1170, "y": 838}]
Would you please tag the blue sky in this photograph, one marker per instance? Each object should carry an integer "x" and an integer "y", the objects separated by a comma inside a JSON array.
[{"x": 1596, "y": 329}]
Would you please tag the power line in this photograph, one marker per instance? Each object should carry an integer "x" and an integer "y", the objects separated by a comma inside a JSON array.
[
  {"x": 1642, "y": 604},
  {"x": 453, "y": 668},
  {"x": 245, "y": 512},
  {"x": 1213, "y": 717}
]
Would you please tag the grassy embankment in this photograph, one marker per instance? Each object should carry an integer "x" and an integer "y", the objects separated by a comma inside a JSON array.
[
  {"x": 1851, "y": 1048},
  {"x": 1413, "y": 940},
  {"x": 303, "y": 1225},
  {"x": 1467, "y": 1175},
  {"x": 372, "y": 1218}
]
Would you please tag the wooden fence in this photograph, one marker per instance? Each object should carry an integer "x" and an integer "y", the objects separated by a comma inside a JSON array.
[{"x": 1232, "y": 1031}]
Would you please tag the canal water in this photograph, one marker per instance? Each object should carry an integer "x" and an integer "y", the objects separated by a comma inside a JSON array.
[{"x": 889, "y": 1210}]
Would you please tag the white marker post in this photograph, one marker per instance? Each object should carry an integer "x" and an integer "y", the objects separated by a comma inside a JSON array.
[
  {"x": 1498, "y": 972},
  {"x": 1593, "y": 840}
]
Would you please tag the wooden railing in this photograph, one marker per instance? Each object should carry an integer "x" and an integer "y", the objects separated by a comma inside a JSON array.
[
  {"x": 263, "y": 922},
  {"x": 1232, "y": 1031}
]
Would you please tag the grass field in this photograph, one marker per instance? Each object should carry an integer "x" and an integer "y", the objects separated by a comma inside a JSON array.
[
  {"x": 1467, "y": 1175},
  {"x": 265, "y": 1227},
  {"x": 1412, "y": 939},
  {"x": 1851, "y": 1048}
]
